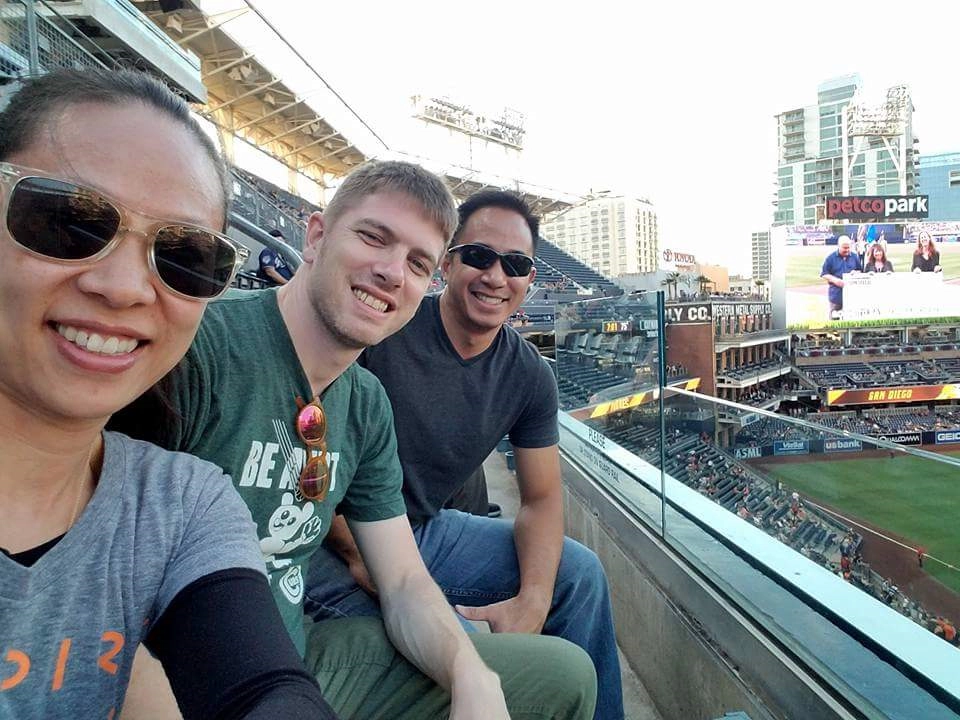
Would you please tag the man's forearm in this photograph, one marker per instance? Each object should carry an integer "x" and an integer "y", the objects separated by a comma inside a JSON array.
[
  {"x": 275, "y": 275},
  {"x": 538, "y": 535},
  {"x": 538, "y": 531},
  {"x": 340, "y": 540},
  {"x": 421, "y": 623},
  {"x": 423, "y": 627}
]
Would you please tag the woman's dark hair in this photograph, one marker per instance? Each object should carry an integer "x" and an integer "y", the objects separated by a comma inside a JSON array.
[
  {"x": 152, "y": 416},
  {"x": 39, "y": 100}
]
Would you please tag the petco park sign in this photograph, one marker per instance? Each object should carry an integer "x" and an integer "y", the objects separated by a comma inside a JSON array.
[{"x": 878, "y": 207}]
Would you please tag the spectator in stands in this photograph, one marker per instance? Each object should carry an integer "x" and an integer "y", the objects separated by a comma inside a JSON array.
[
  {"x": 459, "y": 380},
  {"x": 926, "y": 257},
  {"x": 835, "y": 266},
  {"x": 367, "y": 262},
  {"x": 273, "y": 268},
  {"x": 945, "y": 629},
  {"x": 878, "y": 262},
  {"x": 114, "y": 200},
  {"x": 796, "y": 507}
]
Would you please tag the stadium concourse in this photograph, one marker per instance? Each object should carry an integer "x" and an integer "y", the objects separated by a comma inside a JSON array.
[{"x": 503, "y": 490}]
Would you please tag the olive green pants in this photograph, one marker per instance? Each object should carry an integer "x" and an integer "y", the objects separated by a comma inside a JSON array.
[{"x": 363, "y": 677}]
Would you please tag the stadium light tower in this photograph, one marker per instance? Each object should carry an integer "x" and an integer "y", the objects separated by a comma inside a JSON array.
[
  {"x": 889, "y": 122},
  {"x": 505, "y": 130}
]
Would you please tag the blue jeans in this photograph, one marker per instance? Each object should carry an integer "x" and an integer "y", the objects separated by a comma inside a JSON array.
[{"x": 474, "y": 561}]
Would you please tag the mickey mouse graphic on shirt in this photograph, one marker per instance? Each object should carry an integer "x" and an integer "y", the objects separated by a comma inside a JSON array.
[{"x": 289, "y": 527}]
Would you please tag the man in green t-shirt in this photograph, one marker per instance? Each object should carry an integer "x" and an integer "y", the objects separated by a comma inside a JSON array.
[{"x": 249, "y": 396}]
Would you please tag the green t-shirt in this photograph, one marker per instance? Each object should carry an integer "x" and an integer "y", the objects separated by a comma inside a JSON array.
[{"x": 236, "y": 391}]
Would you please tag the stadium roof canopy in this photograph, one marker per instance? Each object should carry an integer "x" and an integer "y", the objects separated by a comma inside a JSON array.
[{"x": 245, "y": 99}]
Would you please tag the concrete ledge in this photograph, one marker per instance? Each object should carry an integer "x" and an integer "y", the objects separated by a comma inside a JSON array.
[{"x": 697, "y": 657}]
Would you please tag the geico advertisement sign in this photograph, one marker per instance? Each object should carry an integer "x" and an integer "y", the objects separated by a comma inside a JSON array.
[
  {"x": 877, "y": 207},
  {"x": 948, "y": 436}
]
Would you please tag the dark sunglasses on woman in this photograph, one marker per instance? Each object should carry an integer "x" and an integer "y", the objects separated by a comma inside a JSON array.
[{"x": 65, "y": 222}]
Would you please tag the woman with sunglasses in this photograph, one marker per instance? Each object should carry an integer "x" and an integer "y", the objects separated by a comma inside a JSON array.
[{"x": 109, "y": 191}]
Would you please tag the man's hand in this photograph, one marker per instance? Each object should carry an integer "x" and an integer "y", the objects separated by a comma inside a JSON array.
[
  {"x": 519, "y": 614},
  {"x": 340, "y": 540},
  {"x": 358, "y": 570}
]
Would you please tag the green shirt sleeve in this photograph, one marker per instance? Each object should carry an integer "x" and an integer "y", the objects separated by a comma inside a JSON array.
[{"x": 375, "y": 492}]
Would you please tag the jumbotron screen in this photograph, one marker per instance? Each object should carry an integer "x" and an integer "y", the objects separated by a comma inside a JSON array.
[{"x": 847, "y": 275}]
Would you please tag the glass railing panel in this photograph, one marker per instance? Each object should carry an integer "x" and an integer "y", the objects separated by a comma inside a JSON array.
[
  {"x": 833, "y": 533},
  {"x": 607, "y": 363},
  {"x": 858, "y": 526}
]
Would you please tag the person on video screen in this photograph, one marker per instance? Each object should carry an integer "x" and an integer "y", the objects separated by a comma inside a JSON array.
[
  {"x": 877, "y": 260},
  {"x": 926, "y": 257},
  {"x": 860, "y": 246},
  {"x": 835, "y": 266}
]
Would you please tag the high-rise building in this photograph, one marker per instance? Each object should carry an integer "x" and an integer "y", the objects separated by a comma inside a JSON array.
[
  {"x": 940, "y": 179},
  {"x": 760, "y": 255},
  {"x": 613, "y": 235},
  {"x": 843, "y": 145}
]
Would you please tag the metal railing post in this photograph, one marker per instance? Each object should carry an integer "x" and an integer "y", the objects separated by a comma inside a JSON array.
[
  {"x": 32, "y": 38},
  {"x": 662, "y": 382}
]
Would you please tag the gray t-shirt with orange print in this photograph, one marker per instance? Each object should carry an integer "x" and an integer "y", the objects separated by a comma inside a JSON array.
[{"x": 70, "y": 623}]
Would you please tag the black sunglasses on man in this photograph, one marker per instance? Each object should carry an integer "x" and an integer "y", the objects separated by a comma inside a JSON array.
[{"x": 481, "y": 257}]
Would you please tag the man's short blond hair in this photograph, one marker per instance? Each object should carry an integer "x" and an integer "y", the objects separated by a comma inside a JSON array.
[{"x": 423, "y": 186}]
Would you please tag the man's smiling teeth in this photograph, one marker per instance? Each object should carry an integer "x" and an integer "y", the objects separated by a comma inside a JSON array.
[
  {"x": 488, "y": 299},
  {"x": 91, "y": 342},
  {"x": 368, "y": 299}
]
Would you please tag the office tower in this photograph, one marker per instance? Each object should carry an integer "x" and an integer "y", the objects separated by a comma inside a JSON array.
[
  {"x": 613, "y": 235},
  {"x": 760, "y": 255},
  {"x": 940, "y": 179}
]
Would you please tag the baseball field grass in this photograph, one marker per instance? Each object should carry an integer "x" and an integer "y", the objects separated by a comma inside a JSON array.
[{"x": 912, "y": 498}]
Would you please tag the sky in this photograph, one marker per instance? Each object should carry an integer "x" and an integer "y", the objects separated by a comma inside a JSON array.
[{"x": 673, "y": 102}]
